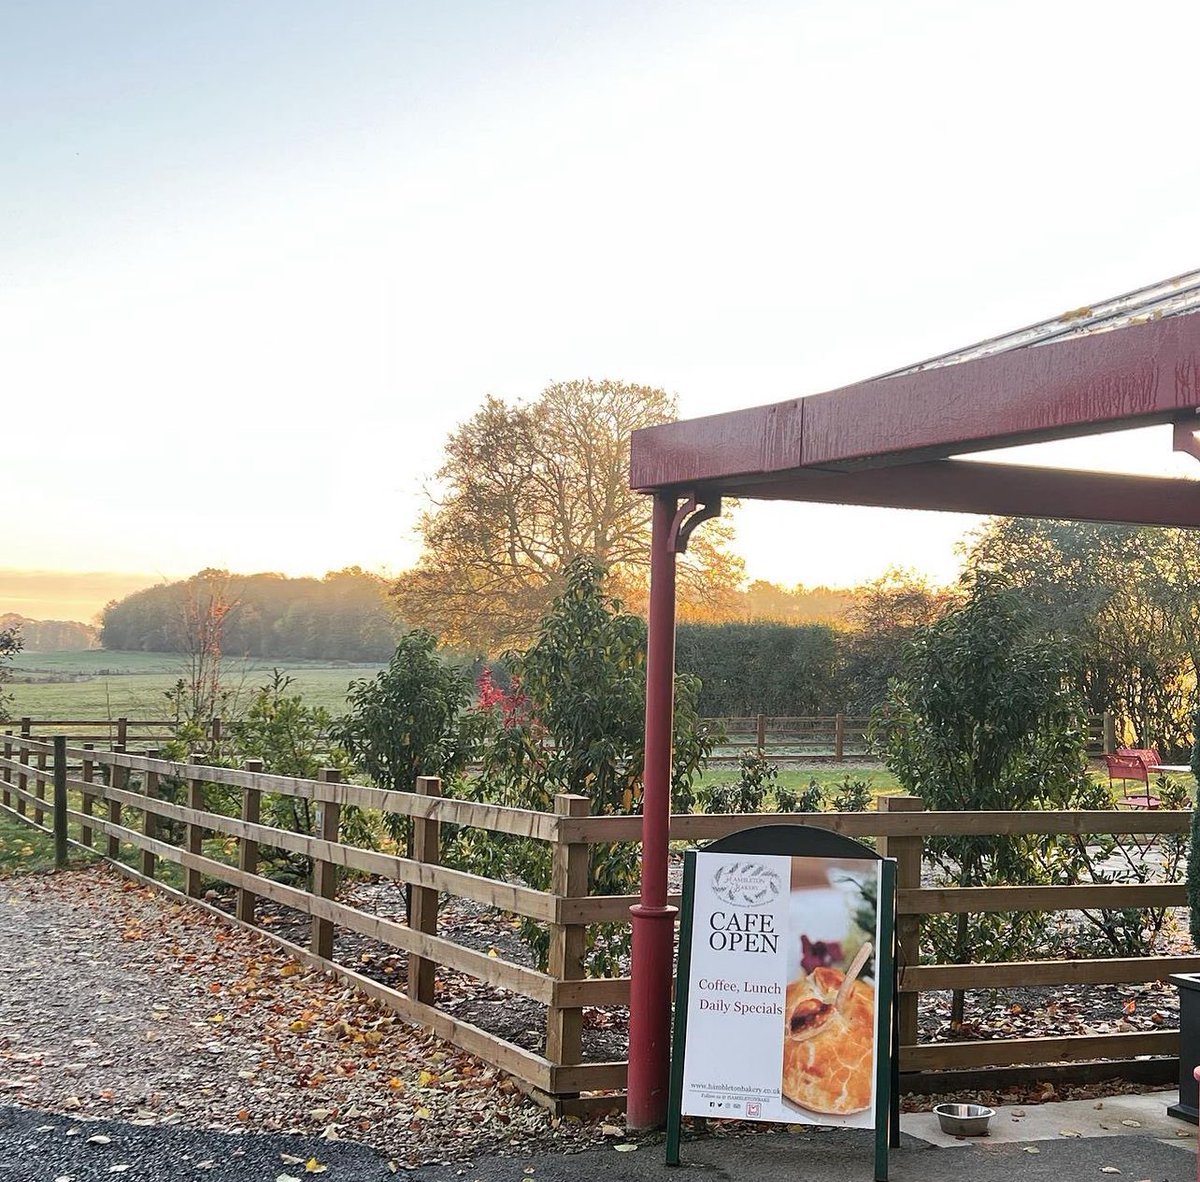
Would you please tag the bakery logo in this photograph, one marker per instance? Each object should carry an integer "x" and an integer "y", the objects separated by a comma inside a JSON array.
[{"x": 746, "y": 884}]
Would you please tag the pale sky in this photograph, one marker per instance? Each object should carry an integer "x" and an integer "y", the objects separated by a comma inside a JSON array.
[{"x": 258, "y": 260}]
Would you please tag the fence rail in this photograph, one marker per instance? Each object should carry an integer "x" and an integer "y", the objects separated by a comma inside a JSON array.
[
  {"x": 141, "y": 812},
  {"x": 835, "y": 737}
]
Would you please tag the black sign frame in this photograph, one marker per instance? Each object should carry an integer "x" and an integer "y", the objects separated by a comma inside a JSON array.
[{"x": 801, "y": 841}]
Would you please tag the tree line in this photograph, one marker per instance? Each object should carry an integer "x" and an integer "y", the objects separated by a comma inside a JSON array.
[
  {"x": 343, "y": 616},
  {"x": 48, "y": 636},
  {"x": 1122, "y": 603}
]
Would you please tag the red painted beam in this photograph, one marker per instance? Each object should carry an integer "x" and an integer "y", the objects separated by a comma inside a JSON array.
[
  {"x": 1133, "y": 376},
  {"x": 966, "y": 486}
]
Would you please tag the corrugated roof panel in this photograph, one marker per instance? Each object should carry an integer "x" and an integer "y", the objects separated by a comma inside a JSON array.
[{"x": 1178, "y": 296}]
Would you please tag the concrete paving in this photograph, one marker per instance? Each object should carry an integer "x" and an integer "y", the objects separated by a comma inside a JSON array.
[
  {"x": 845, "y": 1155},
  {"x": 39, "y": 1147},
  {"x": 1114, "y": 1116}
]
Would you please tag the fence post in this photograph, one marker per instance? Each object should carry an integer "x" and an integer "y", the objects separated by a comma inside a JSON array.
[
  {"x": 568, "y": 942},
  {"x": 60, "y": 801},
  {"x": 427, "y": 836},
  {"x": 149, "y": 819},
  {"x": 39, "y": 788},
  {"x": 7, "y": 780},
  {"x": 760, "y": 733},
  {"x": 122, "y": 734},
  {"x": 215, "y": 729},
  {"x": 87, "y": 799},
  {"x": 1110, "y": 732},
  {"x": 118, "y": 777},
  {"x": 22, "y": 778},
  {"x": 329, "y": 815},
  {"x": 193, "y": 835},
  {"x": 247, "y": 849},
  {"x": 907, "y": 851},
  {"x": 839, "y": 737}
]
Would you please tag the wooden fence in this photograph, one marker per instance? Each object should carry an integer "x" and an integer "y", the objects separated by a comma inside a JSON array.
[
  {"x": 836, "y": 737},
  {"x": 820, "y": 736},
  {"x": 104, "y": 799},
  {"x": 112, "y": 732}
]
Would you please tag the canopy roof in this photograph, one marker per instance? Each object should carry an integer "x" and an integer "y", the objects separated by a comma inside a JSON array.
[{"x": 1131, "y": 361}]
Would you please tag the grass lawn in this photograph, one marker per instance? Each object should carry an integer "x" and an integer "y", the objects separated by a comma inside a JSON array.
[
  {"x": 102, "y": 685},
  {"x": 25, "y": 850},
  {"x": 878, "y": 779}
]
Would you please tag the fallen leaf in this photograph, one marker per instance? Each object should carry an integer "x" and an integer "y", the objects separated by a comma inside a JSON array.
[
  {"x": 1069, "y": 1133},
  {"x": 626, "y": 1148},
  {"x": 1031, "y": 1149},
  {"x": 312, "y": 1166},
  {"x": 290, "y": 1159},
  {"x": 99, "y": 1139},
  {"x": 1109, "y": 1170},
  {"x": 1132, "y": 1124}
]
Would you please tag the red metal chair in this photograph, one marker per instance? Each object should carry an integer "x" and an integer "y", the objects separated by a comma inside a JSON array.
[{"x": 1133, "y": 763}]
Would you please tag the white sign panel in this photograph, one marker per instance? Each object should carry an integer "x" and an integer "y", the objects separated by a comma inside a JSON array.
[{"x": 781, "y": 1004}]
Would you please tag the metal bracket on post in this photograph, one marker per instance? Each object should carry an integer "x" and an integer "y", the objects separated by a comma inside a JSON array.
[
  {"x": 1184, "y": 437},
  {"x": 699, "y": 507}
]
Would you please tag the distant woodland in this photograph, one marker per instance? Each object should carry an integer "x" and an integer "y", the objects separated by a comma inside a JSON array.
[
  {"x": 343, "y": 616},
  {"x": 47, "y": 636}
]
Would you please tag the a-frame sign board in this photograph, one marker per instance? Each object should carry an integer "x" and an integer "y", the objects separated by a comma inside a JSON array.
[{"x": 786, "y": 984}]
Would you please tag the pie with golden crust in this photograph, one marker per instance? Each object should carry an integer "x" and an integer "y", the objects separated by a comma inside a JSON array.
[{"x": 830, "y": 1069}]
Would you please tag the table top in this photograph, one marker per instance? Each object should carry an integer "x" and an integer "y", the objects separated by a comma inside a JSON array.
[{"x": 1170, "y": 767}]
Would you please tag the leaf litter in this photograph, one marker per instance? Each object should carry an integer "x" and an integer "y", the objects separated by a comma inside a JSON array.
[{"x": 99, "y": 965}]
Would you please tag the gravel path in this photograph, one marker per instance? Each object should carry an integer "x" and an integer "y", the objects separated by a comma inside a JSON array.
[{"x": 115, "y": 1002}]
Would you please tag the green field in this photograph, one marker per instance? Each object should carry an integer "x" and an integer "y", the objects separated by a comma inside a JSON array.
[
  {"x": 103, "y": 685},
  {"x": 878, "y": 779}
]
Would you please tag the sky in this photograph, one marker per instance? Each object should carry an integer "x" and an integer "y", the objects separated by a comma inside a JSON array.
[{"x": 257, "y": 261}]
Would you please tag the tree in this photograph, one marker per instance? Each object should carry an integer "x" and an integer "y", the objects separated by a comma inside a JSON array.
[
  {"x": 528, "y": 488},
  {"x": 202, "y": 604},
  {"x": 10, "y": 645},
  {"x": 575, "y": 722},
  {"x": 983, "y": 719},
  {"x": 883, "y": 618},
  {"x": 404, "y": 722},
  {"x": 1126, "y": 596}
]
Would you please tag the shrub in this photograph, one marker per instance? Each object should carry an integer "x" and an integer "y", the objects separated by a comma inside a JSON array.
[
  {"x": 574, "y": 721},
  {"x": 405, "y": 722}
]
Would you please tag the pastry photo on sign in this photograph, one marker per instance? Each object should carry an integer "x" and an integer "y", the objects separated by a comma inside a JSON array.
[{"x": 829, "y": 1012}]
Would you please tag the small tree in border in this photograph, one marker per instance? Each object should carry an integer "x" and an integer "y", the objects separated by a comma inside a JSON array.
[
  {"x": 982, "y": 720},
  {"x": 575, "y": 722},
  {"x": 404, "y": 722}
]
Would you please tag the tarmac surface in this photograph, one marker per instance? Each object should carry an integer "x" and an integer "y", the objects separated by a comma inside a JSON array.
[{"x": 1060, "y": 1142}]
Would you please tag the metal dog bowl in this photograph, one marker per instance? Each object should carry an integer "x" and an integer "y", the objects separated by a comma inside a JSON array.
[{"x": 964, "y": 1120}]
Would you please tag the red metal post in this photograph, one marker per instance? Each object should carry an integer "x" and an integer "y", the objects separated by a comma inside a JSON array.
[{"x": 653, "y": 920}]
